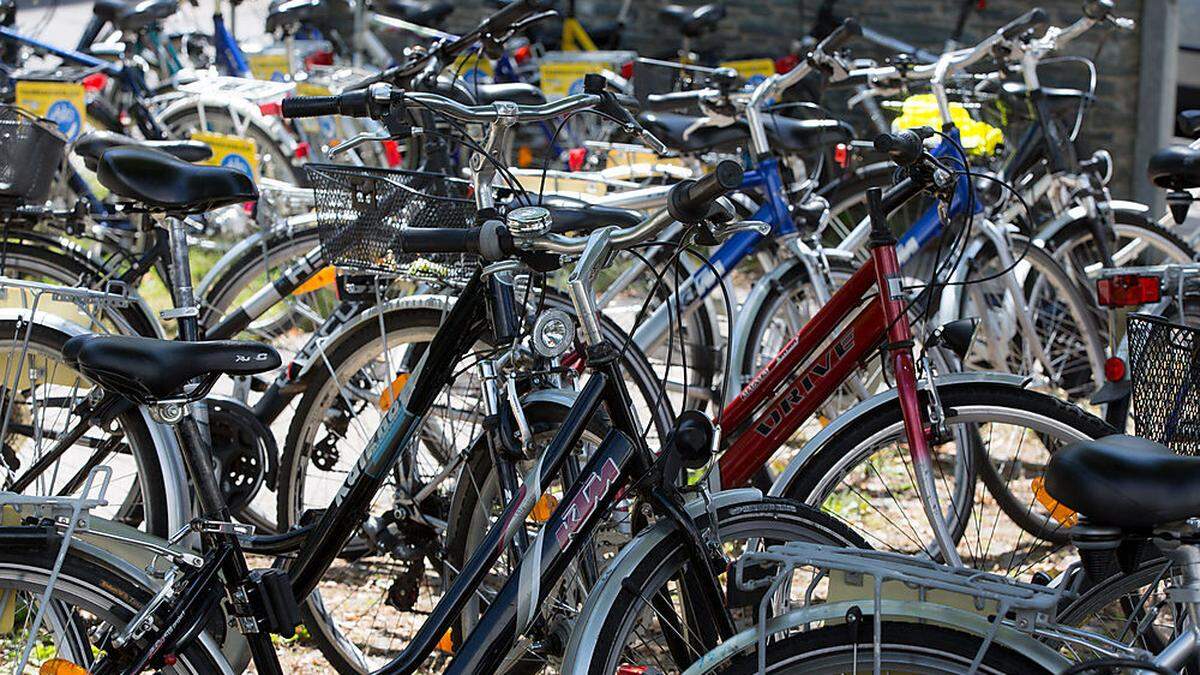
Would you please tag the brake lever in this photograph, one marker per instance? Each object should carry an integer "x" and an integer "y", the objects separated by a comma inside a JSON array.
[
  {"x": 357, "y": 140},
  {"x": 1123, "y": 23}
]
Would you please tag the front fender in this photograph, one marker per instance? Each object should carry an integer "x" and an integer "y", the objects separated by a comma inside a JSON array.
[
  {"x": 818, "y": 614},
  {"x": 871, "y": 407},
  {"x": 609, "y": 583}
]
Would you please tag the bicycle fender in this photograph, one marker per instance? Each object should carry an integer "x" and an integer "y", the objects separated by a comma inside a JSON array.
[
  {"x": 904, "y": 610},
  {"x": 273, "y": 127},
  {"x": 870, "y": 408},
  {"x": 583, "y": 636}
]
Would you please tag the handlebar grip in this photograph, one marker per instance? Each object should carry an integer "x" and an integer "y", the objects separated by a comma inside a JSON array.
[
  {"x": 352, "y": 104},
  {"x": 689, "y": 201},
  {"x": 1034, "y": 17},
  {"x": 849, "y": 30},
  {"x": 513, "y": 13},
  {"x": 492, "y": 241},
  {"x": 672, "y": 101},
  {"x": 903, "y": 147}
]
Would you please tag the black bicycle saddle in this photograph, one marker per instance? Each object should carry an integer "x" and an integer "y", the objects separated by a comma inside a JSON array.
[
  {"x": 91, "y": 145},
  {"x": 162, "y": 182}
]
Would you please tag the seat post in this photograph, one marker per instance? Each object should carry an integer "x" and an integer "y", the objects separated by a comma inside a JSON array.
[{"x": 186, "y": 312}]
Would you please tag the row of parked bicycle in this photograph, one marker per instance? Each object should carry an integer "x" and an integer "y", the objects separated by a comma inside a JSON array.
[{"x": 712, "y": 383}]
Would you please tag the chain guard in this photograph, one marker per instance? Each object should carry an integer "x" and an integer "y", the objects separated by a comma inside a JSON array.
[{"x": 244, "y": 448}]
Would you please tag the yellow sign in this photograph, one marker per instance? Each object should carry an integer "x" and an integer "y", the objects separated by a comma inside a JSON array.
[
  {"x": 60, "y": 102},
  {"x": 470, "y": 67},
  {"x": 233, "y": 152},
  {"x": 274, "y": 67},
  {"x": 563, "y": 78},
  {"x": 752, "y": 71}
]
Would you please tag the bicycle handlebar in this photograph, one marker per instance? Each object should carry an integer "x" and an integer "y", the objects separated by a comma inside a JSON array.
[
  {"x": 1034, "y": 17},
  {"x": 689, "y": 201}
]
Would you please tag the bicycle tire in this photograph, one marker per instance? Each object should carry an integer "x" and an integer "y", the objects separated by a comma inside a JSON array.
[
  {"x": 149, "y": 475},
  {"x": 597, "y": 643},
  {"x": 971, "y": 405},
  {"x": 923, "y": 648}
]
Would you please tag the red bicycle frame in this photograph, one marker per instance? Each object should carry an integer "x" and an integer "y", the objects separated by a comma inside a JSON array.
[{"x": 787, "y": 394}]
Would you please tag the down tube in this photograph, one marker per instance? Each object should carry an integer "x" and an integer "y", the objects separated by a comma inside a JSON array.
[
  {"x": 788, "y": 410},
  {"x": 557, "y": 544}
]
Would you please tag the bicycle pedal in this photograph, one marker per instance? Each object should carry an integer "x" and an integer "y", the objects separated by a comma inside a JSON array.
[{"x": 270, "y": 594}]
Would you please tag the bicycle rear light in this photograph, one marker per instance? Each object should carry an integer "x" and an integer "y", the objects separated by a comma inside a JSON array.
[
  {"x": 1127, "y": 290},
  {"x": 1114, "y": 369}
]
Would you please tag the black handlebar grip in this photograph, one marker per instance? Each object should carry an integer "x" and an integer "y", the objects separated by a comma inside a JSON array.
[
  {"x": 904, "y": 147},
  {"x": 689, "y": 201},
  {"x": 352, "y": 104},
  {"x": 1034, "y": 17},
  {"x": 438, "y": 240},
  {"x": 512, "y": 13},
  {"x": 849, "y": 30}
]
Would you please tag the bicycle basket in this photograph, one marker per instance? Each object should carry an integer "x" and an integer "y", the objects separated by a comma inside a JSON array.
[
  {"x": 361, "y": 210},
  {"x": 31, "y": 150},
  {"x": 1164, "y": 365}
]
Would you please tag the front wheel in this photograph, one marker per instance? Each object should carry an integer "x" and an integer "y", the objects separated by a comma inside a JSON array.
[
  {"x": 641, "y": 614},
  {"x": 1004, "y": 435}
]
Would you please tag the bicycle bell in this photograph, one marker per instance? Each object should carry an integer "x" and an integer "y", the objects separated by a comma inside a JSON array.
[{"x": 529, "y": 221}]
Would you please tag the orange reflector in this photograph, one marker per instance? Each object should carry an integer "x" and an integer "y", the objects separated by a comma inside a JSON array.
[
  {"x": 326, "y": 276},
  {"x": 1065, "y": 516},
  {"x": 61, "y": 667},
  {"x": 446, "y": 644},
  {"x": 543, "y": 508},
  {"x": 524, "y": 156},
  {"x": 389, "y": 395}
]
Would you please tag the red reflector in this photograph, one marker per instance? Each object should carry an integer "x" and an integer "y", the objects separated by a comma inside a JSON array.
[
  {"x": 1127, "y": 290},
  {"x": 521, "y": 54},
  {"x": 1114, "y": 369},
  {"x": 841, "y": 155},
  {"x": 627, "y": 69},
  {"x": 95, "y": 82},
  {"x": 301, "y": 151},
  {"x": 391, "y": 151},
  {"x": 576, "y": 157},
  {"x": 784, "y": 64},
  {"x": 626, "y": 669},
  {"x": 320, "y": 58},
  {"x": 272, "y": 109}
]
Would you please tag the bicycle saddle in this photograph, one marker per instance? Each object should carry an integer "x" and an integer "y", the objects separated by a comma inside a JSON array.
[
  {"x": 138, "y": 15},
  {"x": 165, "y": 183},
  {"x": 1125, "y": 481},
  {"x": 109, "y": 9},
  {"x": 514, "y": 92},
  {"x": 147, "y": 370},
  {"x": 693, "y": 21},
  {"x": 415, "y": 11},
  {"x": 283, "y": 14},
  {"x": 91, "y": 145},
  {"x": 785, "y": 133},
  {"x": 1175, "y": 167}
]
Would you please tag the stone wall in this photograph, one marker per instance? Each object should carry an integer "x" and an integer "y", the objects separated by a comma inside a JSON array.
[{"x": 770, "y": 27}]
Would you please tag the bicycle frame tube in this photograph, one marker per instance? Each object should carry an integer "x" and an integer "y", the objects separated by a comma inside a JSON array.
[{"x": 753, "y": 440}]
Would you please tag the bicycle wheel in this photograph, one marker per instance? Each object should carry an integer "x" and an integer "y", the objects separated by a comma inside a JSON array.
[
  {"x": 259, "y": 266},
  {"x": 91, "y": 598},
  {"x": 41, "y": 399},
  {"x": 635, "y": 616},
  {"x": 477, "y": 504},
  {"x": 273, "y": 162},
  {"x": 1130, "y": 608},
  {"x": 903, "y": 648},
  {"x": 1061, "y": 317},
  {"x": 1137, "y": 241},
  {"x": 1004, "y": 434},
  {"x": 370, "y": 602}
]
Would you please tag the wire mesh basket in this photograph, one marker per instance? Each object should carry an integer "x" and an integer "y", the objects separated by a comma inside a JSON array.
[
  {"x": 1164, "y": 364},
  {"x": 31, "y": 151},
  {"x": 361, "y": 211}
]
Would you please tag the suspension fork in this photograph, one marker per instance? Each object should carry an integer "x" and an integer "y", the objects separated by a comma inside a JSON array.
[{"x": 899, "y": 348}]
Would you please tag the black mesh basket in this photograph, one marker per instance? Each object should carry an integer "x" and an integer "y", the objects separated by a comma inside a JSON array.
[
  {"x": 1164, "y": 365},
  {"x": 31, "y": 151},
  {"x": 360, "y": 211}
]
